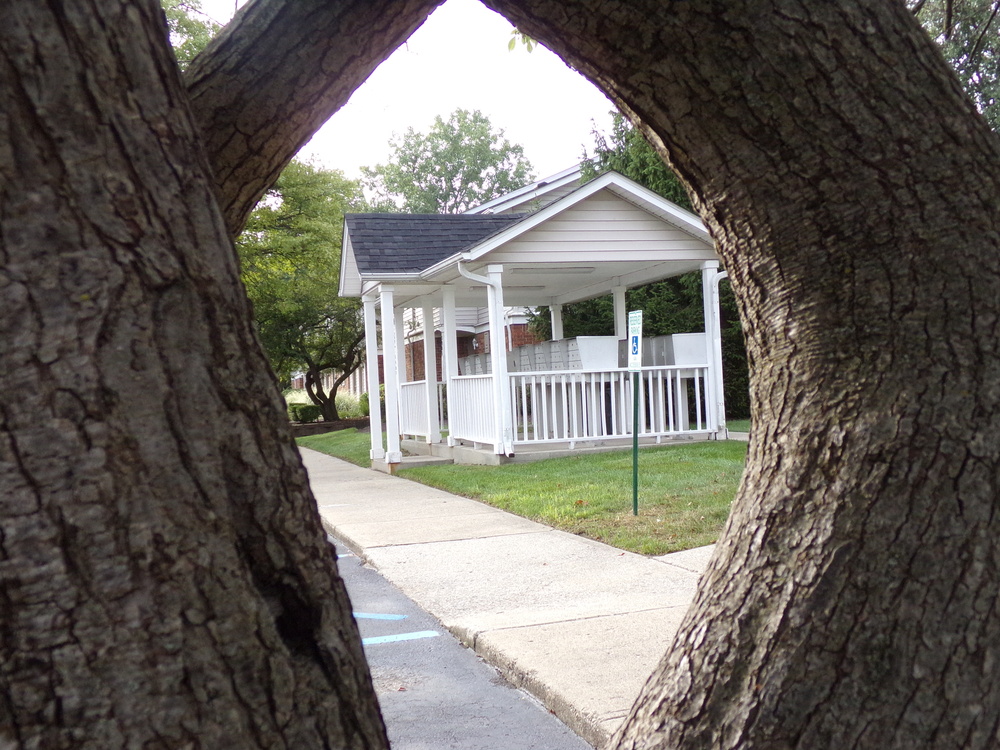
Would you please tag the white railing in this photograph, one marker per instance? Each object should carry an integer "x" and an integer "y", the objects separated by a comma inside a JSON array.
[
  {"x": 472, "y": 414},
  {"x": 560, "y": 405},
  {"x": 413, "y": 408}
]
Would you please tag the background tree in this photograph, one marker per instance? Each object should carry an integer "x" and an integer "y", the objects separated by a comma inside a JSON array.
[
  {"x": 190, "y": 28},
  {"x": 968, "y": 33},
  {"x": 460, "y": 163},
  {"x": 290, "y": 253}
]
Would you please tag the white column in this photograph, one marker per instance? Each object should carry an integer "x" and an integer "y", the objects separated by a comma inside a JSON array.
[
  {"x": 390, "y": 366},
  {"x": 430, "y": 375},
  {"x": 371, "y": 365},
  {"x": 400, "y": 326},
  {"x": 449, "y": 340},
  {"x": 498, "y": 360},
  {"x": 714, "y": 399},
  {"x": 621, "y": 316},
  {"x": 555, "y": 316}
]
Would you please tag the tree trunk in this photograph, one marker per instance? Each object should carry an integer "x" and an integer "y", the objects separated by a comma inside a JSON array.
[
  {"x": 164, "y": 579},
  {"x": 327, "y": 402},
  {"x": 853, "y": 194},
  {"x": 276, "y": 73}
]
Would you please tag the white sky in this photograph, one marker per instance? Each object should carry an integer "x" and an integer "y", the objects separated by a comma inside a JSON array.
[{"x": 459, "y": 59}]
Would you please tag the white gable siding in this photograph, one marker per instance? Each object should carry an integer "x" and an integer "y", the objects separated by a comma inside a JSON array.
[
  {"x": 597, "y": 225},
  {"x": 350, "y": 277}
]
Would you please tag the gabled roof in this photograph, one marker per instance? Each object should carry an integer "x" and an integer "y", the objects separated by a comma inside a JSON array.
[
  {"x": 537, "y": 194},
  {"x": 622, "y": 186},
  {"x": 607, "y": 233},
  {"x": 409, "y": 243}
]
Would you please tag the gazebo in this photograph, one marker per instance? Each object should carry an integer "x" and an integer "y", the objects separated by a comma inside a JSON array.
[{"x": 552, "y": 243}]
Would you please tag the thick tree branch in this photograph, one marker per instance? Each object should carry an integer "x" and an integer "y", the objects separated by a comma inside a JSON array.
[
  {"x": 276, "y": 73},
  {"x": 164, "y": 577},
  {"x": 852, "y": 191}
]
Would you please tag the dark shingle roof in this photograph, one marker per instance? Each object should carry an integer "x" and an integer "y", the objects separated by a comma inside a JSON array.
[{"x": 409, "y": 243}]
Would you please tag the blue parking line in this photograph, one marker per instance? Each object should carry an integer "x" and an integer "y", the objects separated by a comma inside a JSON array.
[
  {"x": 399, "y": 637},
  {"x": 370, "y": 616}
]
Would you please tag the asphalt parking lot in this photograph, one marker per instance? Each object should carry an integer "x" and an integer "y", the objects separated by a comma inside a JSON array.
[{"x": 434, "y": 692}]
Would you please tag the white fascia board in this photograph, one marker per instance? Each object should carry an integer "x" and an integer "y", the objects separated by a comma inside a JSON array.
[
  {"x": 529, "y": 192},
  {"x": 369, "y": 283},
  {"x": 369, "y": 287},
  {"x": 389, "y": 278},
  {"x": 442, "y": 265}
]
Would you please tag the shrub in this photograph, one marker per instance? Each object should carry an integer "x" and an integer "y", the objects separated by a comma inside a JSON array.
[
  {"x": 363, "y": 405},
  {"x": 304, "y": 412},
  {"x": 309, "y": 413}
]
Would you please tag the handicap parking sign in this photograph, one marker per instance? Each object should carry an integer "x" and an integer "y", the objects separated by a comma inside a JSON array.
[{"x": 635, "y": 338}]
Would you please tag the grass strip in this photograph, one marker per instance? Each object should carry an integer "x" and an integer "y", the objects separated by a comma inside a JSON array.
[{"x": 685, "y": 490}]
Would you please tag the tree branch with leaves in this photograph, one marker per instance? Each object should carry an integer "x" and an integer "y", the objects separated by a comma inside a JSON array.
[{"x": 290, "y": 255}]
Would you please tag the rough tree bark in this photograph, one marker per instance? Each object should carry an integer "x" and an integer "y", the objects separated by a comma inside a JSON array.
[
  {"x": 276, "y": 73},
  {"x": 164, "y": 579},
  {"x": 162, "y": 575},
  {"x": 853, "y": 193}
]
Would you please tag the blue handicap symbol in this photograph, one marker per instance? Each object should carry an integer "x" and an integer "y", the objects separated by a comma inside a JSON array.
[{"x": 635, "y": 344}]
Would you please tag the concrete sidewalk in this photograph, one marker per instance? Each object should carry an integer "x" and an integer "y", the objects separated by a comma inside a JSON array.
[{"x": 579, "y": 624}]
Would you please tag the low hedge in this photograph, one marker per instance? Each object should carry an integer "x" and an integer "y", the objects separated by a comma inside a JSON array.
[{"x": 304, "y": 412}]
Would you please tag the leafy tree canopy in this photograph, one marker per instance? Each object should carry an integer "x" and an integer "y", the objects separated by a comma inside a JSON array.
[
  {"x": 290, "y": 253},
  {"x": 968, "y": 34},
  {"x": 460, "y": 163},
  {"x": 190, "y": 29},
  {"x": 625, "y": 151}
]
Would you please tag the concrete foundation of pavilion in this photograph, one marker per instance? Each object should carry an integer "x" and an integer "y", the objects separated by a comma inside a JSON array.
[
  {"x": 579, "y": 624},
  {"x": 420, "y": 453}
]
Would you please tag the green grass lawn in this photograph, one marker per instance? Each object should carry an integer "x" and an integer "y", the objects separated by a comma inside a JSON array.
[
  {"x": 348, "y": 444},
  {"x": 738, "y": 425},
  {"x": 684, "y": 490}
]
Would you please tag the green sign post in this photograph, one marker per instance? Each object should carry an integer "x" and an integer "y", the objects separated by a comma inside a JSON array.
[{"x": 635, "y": 367}]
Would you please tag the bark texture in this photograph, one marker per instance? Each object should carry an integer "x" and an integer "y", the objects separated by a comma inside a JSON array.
[
  {"x": 164, "y": 579},
  {"x": 276, "y": 73},
  {"x": 853, "y": 193}
]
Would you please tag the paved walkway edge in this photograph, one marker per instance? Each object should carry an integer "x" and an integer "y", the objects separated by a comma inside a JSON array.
[
  {"x": 590, "y": 728},
  {"x": 562, "y": 626}
]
